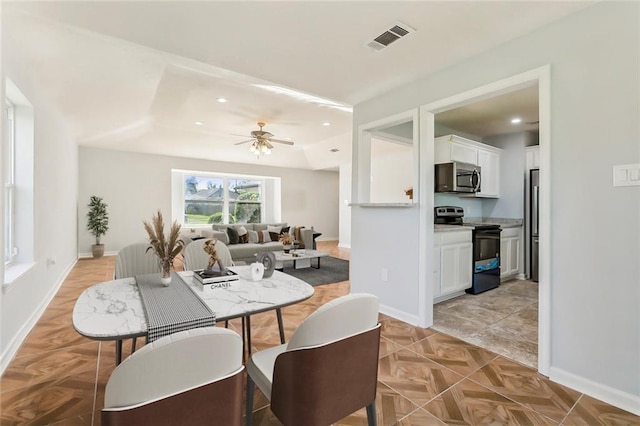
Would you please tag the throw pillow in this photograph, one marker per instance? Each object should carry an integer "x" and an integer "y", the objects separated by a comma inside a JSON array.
[
  {"x": 276, "y": 229},
  {"x": 243, "y": 235},
  {"x": 284, "y": 229},
  {"x": 265, "y": 237},
  {"x": 234, "y": 238},
  {"x": 253, "y": 236},
  {"x": 274, "y": 236}
]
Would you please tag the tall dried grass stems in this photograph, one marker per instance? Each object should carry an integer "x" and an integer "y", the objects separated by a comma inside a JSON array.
[
  {"x": 165, "y": 249},
  {"x": 286, "y": 239}
]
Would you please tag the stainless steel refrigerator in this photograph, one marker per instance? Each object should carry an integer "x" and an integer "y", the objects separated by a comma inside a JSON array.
[{"x": 534, "y": 189}]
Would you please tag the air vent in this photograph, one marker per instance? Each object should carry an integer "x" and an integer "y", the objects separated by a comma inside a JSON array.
[
  {"x": 389, "y": 36},
  {"x": 334, "y": 150}
]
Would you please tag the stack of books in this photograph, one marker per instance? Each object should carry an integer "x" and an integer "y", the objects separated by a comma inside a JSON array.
[{"x": 209, "y": 280}]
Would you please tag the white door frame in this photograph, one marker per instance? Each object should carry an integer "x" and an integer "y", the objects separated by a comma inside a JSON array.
[{"x": 542, "y": 76}]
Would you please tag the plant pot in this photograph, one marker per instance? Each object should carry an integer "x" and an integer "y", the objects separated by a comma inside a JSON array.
[
  {"x": 286, "y": 248},
  {"x": 97, "y": 250}
]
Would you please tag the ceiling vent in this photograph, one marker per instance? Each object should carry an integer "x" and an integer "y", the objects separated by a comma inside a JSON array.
[{"x": 394, "y": 33}]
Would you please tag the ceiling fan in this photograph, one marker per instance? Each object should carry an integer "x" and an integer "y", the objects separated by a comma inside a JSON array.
[{"x": 261, "y": 141}]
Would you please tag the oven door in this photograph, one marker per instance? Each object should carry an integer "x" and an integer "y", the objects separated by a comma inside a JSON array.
[{"x": 486, "y": 248}]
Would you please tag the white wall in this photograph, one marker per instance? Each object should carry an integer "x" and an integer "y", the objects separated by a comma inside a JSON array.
[
  {"x": 135, "y": 185},
  {"x": 54, "y": 221},
  {"x": 595, "y": 326},
  {"x": 512, "y": 165},
  {"x": 391, "y": 171},
  {"x": 472, "y": 206},
  {"x": 345, "y": 209}
]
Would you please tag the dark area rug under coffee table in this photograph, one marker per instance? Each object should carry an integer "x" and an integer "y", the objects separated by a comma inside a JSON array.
[{"x": 332, "y": 270}]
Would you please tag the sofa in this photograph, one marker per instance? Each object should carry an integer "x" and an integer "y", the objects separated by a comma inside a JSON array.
[{"x": 257, "y": 238}]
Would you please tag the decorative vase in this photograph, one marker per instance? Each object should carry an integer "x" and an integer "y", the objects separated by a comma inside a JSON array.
[
  {"x": 268, "y": 259},
  {"x": 165, "y": 278},
  {"x": 257, "y": 271},
  {"x": 286, "y": 249}
]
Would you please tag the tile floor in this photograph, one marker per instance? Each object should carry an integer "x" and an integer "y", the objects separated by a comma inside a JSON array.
[
  {"x": 426, "y": 377},
  {"x": 504, "y": 320}
]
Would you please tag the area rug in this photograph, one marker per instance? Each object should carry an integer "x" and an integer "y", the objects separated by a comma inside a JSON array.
[{"x": 332, "y": 270}]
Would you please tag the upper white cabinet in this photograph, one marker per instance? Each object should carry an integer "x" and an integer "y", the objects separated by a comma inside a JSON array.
[
  {"x": 455, "y": 148},
  {"x": 533, "y": 157}
]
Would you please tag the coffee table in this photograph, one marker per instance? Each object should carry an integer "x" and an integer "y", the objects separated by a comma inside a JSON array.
[{"x": 301, "y": 258}]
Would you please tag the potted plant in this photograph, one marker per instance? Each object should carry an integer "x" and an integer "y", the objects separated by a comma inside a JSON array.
[
  {"x": 97, "y": 223},
  {"x": 165, "y": 248}
]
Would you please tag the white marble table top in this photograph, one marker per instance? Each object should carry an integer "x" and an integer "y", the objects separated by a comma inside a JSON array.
[{"x": 112, "y": 310}]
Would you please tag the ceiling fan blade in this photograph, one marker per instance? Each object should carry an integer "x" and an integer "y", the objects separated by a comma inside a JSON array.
[
  {"x": 240, "y": 143},
  {"x": 281, "y": 141},
  {"x": 266, "y": 142},
  {"x": 244, "y": 136}
]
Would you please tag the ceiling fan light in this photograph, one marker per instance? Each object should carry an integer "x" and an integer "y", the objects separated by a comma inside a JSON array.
[
  {"x": 252, "y": 148},
  {"x": 264, "y": 148},
  {"x": 268, "y": 152}
]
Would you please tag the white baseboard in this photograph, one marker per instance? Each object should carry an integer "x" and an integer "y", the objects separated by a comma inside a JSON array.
[
  {"x": 346, "y": 246},
  {"x": 327, "y": 239},
  {"x": 89, "y": 255},
  {"x": 14, "y": 344},
  {"x": 401, "y": 315},
  {"x": 615, "y": 397}
]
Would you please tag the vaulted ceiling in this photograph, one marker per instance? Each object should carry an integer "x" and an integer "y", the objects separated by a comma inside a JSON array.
[{"x": 138, "y": 76}]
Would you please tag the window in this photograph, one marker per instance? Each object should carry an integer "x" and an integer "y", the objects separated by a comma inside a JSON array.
[
  {"x": 9, "y": 185},
  {"x": 222, "y": 199}
]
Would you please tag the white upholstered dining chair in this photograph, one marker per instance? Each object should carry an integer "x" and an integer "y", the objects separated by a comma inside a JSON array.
[
  {"x": 191, "y": 377},
  {"x": 134, "y": 259},
  {"x": 196, "y": 258},
  {"x": 329, "y": 368}
]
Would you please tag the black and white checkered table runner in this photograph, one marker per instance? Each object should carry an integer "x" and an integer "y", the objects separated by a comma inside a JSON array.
[{"x": 172, "y": 308}]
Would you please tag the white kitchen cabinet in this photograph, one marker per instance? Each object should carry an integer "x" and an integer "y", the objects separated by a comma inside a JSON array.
[
  {"x": 455, "y": 148},
  {"x": 489, "y": 163},
  {"x": 510, "y": 252},
  {"x": 464, "y": 153},
  {"x": 532, "y": 157},
  {"x": 453, "y": 259}
]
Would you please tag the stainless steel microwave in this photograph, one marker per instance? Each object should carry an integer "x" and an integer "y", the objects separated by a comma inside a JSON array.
[{"x": 457, "y": 177}]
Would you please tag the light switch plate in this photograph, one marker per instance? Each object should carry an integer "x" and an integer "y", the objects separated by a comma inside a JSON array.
[{"x": 626, "y": 175}]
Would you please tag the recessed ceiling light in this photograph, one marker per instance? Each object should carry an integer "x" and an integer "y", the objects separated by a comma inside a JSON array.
[
  {"x": 326, "y": 123},
  {"x": 222, "y": 100},
  {"x": 198, "y": 123},
  {"x": 516, "y": 120}
]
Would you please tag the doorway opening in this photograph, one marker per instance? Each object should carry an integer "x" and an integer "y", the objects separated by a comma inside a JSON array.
[{"x": 538, "y": 81}]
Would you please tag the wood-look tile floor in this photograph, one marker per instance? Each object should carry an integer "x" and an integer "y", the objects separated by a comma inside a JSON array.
[{"x": 425, "y": 377}]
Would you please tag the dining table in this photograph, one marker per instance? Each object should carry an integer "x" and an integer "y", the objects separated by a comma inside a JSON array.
[{"x": 114, "y": 310}]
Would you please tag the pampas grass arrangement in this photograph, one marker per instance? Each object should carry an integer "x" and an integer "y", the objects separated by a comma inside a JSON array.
[
  {"x": 286, "y": 239},
  {"x": 165, "y": 248}
]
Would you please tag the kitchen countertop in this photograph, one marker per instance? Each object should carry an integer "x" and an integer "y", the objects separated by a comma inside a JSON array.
[{"x": 471, "y": 222}]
